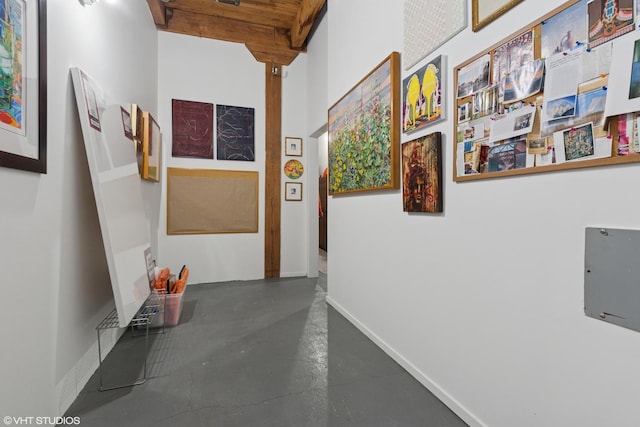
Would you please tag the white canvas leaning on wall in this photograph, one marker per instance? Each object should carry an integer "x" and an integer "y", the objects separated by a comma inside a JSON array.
[
  {"x": 118, "y": 192},
  {"x": 428, "y": 24}
]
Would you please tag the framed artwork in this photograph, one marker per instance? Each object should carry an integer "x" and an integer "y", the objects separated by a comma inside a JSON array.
[
  {"x": 293, "y": 191},
  {"x": 364, "y": 132},
  {"x": 423, "y": 102},
  {"x": 428, "y": 25},
  {"x": 126, "y": 123},
  {"x": 136, "y": 121},
  {"x": 192, "y": 127},
  {"x": 293, "y": 146},
  {"x": 293, "y": 169},
  {"x": 235, "y": 133},
  {"x": 484, "y": 12},
  {"x": 151, "y": 149},
  {"x": 422, "y": 174},
  {"x": 23, "y": 85}
]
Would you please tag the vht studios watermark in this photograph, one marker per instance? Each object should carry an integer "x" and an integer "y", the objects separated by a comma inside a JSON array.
[{"x": 41, "y": 421}]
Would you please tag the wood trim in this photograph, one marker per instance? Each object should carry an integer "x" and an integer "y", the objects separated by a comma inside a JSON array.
[
  {"x": 266, "y": 44},
  {"x": 309, "y": 10},
  {"x": 158, "y": 12},
  {"x": 273, "y": 163}
]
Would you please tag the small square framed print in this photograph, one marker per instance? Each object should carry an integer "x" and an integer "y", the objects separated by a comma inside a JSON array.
[
  {"x": 293, "y": 191},
  {"x": 293, "y": 146}
]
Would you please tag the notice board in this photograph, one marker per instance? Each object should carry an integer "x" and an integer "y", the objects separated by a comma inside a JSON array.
[{"x": 204, "y": 201}]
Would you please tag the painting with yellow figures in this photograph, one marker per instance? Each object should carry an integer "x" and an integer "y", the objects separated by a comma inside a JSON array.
[{"x": 423, "y": 96}]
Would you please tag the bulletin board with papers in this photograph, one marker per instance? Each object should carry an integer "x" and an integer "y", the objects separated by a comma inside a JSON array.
[{"x": 547, "y": 97}]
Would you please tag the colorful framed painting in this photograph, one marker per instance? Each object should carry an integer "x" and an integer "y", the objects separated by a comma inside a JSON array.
[
  {"x": 422, "y": 174},
  {"x": 484, "y": 12},
  {"x": 364, "y": 132},
  {"x": 236, "y": 133},
  {"x": 293, "y": 146},
  {"x": 23, "y": 85},
  {"x": 192, "y": 127},
  {"x": 423, "y": 103},
  {"x": 293, "y": 191},
  {"x": 151, "y": 140},
  {"x": 294, "y": 169}
]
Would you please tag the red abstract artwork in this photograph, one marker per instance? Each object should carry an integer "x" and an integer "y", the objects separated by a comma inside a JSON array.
[{"x": 192, "y": 124}]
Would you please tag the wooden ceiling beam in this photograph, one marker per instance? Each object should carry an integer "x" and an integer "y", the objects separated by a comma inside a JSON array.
[
  {"x": 307, "y": 14},
  {"x": 158, "y": 12},
  {"x": 277, "y": 13},
  {"x": 267, "y": 44},
  {"x": 284, "y": 57}
]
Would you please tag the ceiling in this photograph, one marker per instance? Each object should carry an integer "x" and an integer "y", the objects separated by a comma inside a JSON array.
[{"x": 274, "y": 31}]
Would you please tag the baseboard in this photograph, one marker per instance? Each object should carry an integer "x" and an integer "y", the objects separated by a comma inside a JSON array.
[
  {"x": 434, "y": 388},
  {"x": 293, "y": 274},
  {"x": 69, "y": 387}
]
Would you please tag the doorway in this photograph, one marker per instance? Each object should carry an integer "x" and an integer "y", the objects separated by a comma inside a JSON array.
[{"x": 323, "y": 207}]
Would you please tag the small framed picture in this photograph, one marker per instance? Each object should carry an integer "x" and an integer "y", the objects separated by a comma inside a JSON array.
[
  {"x": 293, "y": 191},
  {"x": 293, "y": 146}
]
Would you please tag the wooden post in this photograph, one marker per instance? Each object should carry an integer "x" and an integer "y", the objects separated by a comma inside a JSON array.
[{"x": 273, "y": 165}]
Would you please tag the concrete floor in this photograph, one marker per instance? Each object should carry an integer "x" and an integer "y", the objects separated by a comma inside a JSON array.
[{"x": 258, "y": 353}]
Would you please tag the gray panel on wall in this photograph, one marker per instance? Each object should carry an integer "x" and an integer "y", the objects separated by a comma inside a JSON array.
[{"x": 612, "y": 276}]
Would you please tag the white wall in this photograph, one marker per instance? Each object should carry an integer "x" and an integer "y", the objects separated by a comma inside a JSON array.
[
  {"x": 295, "y": 215},
  {"x": 317, "y": 122},
  {"x": 484, "y": 303},
  {"x": 51, "y": 253},
  {"x": 218, "y": 72}
]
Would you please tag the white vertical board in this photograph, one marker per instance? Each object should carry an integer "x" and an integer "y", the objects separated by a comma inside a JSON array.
[{"x": 118, "y": 193}]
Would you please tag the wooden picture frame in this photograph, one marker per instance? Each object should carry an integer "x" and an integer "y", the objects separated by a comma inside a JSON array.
[
  {"x": 493, "y": 144},
  {"x": 364, "y": 132},
  {"x": 151, "y": 148},
  {"x": 484, "y": 12},
  {"x": 293, "y": 191},
  {"x": 293, "y": 146},
  {"x": 23, "y": 125}
]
